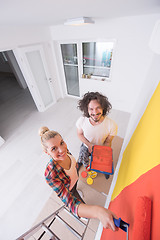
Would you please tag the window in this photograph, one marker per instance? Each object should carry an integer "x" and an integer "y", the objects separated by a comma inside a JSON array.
[
  {"x": 97, "y": 59},
  {"x": 70, "y": 63}
]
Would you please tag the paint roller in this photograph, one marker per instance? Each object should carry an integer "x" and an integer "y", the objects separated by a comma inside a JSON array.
[{"x": 142, "y": 219}]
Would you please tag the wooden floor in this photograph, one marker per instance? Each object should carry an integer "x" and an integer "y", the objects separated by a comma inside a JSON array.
[{"x": 23, "y": 190}]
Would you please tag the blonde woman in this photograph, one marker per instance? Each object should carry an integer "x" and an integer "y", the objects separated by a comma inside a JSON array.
[{"x": 61, "y": 175}]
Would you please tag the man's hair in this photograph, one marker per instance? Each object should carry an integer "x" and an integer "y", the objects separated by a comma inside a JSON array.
[{"x": 103, "y": 101}]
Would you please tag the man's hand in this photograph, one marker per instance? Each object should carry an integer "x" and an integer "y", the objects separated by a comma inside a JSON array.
[
  {"x": 108, "y": 141},
  {"x": 90, "y": 147},
  {"x": 84, "y": 140}
]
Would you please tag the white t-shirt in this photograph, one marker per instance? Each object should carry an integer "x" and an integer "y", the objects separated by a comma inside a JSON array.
[
  {"x": 72, "y": 172},
  {"x": 98, "y": 133}
]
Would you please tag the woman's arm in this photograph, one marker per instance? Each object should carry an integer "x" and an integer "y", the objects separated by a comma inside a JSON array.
[
  {"x": 58, "y": 180},
  {"x": 101, "y": 213},
  {"x": 75, "y": 205}
]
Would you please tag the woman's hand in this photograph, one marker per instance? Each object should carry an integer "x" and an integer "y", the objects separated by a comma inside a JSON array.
[{"x": 106, "y": 218}]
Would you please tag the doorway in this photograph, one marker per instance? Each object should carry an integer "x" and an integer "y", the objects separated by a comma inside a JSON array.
[
  {"x": 37, "y": 75},
  {"x": 15, "y": 98}
]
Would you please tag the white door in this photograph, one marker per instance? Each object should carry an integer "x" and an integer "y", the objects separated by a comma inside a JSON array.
[{"x": 38, "y": 79}]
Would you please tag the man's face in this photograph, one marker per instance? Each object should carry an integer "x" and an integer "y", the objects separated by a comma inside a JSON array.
[{"x": 95, "y": 110}]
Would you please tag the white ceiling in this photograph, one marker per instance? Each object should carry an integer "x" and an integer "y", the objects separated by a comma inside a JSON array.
[{"x": 55, "y": 12}]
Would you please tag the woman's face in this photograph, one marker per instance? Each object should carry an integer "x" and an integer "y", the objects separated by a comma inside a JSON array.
[{"x": 57, "y": 148}]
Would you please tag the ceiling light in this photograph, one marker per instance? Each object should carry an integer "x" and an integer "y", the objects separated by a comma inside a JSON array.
[{"x": 78, "y": 21}]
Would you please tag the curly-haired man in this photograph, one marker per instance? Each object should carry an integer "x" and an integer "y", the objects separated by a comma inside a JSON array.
[{"x": 94, "y": 127}]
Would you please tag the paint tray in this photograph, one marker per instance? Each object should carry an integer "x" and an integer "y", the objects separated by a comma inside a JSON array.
[{"x": 101, "y": 159}]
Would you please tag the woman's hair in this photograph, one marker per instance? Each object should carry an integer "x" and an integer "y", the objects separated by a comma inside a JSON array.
[
  {"x": 45, "y": 135},
  {"x": 103, "y": 101}
]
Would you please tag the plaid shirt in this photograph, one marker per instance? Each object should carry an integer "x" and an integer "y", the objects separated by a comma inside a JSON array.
[{"x": 59, "y": 181}]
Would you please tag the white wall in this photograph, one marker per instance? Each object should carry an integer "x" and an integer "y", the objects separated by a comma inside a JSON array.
[
  {"x": 132, "y": 58},
  {"x": 12, "y": 37}
]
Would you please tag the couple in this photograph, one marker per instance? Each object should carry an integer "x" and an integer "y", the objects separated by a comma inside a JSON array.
[{"x": 61, "y": 173}]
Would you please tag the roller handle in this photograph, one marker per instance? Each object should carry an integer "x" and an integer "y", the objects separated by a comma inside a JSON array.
[{"x": 121, "y": 224}]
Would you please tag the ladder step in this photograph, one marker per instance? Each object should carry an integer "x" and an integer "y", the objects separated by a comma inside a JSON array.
[
  {"x": 47, "y": 229},
  {"x": 69, "y": 227},
  {"x": 49, "y": 232}
]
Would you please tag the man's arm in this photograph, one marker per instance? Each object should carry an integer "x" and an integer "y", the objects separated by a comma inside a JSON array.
[
  {"x": 84, "y": 140},
  {"x": 108, "y": 141}
]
